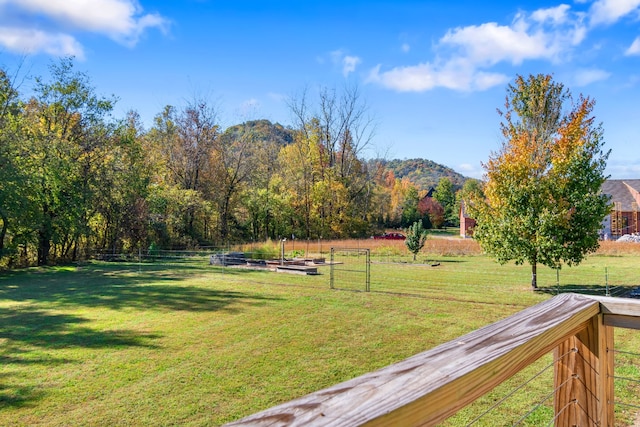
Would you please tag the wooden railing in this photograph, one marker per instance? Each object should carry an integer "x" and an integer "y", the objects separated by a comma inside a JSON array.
[{"x": 427, "y": 388}]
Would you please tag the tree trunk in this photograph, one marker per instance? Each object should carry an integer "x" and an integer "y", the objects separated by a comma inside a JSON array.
[
  {"x": 534, "y": 275},
  {"x": 224, "y": 222},
  {"x": 74, "y": 253},
  {"x": 191, "y": 214},
  {"x": 3, "y": 230},
  {"x": 44, "y": 236},
  {"x": 44, "y": 246}
]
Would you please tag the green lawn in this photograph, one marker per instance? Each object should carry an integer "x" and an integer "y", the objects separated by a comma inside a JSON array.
[{"x": 189, "y": 344}]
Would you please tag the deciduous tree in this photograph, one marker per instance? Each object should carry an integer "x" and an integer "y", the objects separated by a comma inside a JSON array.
[
  {"x": 11, "y": 177},
  {"x": 331, "y": 139},
  {"x": 430, "y": 208},
  {"x": 542, "y": 202},
  {"x": 186, "y": 145},
  {"x": 66, "y": 132},
  {"x": 410, "y": 212},
  {"x": 416, "y": 238},
  {"x": 446, "y": 196}
]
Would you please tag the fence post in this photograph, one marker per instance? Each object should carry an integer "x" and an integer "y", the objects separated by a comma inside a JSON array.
[
  {"x": 331, "y": 266},
  {"x": 368, "y": 272},
  {"x": 583, "y": 380}
]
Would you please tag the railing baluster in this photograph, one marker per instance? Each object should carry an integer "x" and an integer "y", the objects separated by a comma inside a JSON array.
[
  {"x": 429, "y": 387},
  {"x": 589, "y": 368}
]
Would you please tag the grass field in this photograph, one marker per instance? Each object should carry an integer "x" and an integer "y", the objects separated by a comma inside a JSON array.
[{"x": 184, "y": 343}]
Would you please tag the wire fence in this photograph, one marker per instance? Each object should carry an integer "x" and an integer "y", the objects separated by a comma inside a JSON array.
[
  {"x": 458, "y": 277},
  {"x": 626, "y": 381},
  {"x": 357, "y": 269},
  {"x": 535, "y": 384}
]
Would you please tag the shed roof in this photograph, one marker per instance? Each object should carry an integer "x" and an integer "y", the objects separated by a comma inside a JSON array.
[{"x": 623, "y": 191}]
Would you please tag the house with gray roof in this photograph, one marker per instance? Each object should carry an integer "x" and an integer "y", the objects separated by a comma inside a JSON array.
[
  {"x": 624, "y": 218},
  {"x": 625, "y": 212}
]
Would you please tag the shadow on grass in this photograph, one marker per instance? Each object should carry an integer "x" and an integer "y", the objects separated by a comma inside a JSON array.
[
  {"x": 35, "y": 328},
  {"x": 30, "y": 337},
  {"x": 16, "y": 396},
  {"x": 615, "y": 291},
  {"x": 31, "y": 333},
  {"x": 118, "y": 286}
]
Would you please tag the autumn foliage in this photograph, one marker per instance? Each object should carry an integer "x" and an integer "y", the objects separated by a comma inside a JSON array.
[{"x": 542, "y": 201}]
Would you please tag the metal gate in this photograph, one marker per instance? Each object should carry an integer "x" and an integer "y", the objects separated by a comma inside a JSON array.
[{"x": 350, "y": 269}]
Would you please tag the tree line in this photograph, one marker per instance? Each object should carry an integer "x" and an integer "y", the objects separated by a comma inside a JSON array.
[{"x": 75, "y": 180}]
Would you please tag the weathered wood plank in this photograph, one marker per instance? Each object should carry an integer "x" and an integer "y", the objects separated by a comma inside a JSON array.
[
  {"x": 431, "y": 386},
  {"x": 621, "y": 306},
  {"x": 582, "y": 378},
  {"x": 605, "y": 392},
  {"x": 620, "y": 321}
]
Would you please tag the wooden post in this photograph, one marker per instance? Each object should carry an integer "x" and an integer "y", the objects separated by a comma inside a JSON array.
[
  {"x": 584, "y": 377},
  {"x": 428, "y": 387}
]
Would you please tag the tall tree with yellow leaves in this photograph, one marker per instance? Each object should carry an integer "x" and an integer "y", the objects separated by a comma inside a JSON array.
[{"x": 542, "y": 202}]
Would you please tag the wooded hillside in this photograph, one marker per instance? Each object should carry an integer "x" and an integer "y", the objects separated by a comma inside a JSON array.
[
  {"x": 424, "y": 173},
  {"x": 77, "y": 181}
]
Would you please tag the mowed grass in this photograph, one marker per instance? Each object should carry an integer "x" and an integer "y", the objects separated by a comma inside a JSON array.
[{"x": 184, "y": 343}]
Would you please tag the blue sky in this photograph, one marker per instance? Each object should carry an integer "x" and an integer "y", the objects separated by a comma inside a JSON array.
[{"x": 433, "y": 73}]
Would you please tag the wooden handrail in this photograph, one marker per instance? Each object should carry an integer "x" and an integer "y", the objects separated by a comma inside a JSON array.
[
  {"x": 620, "y": 312},
  {"x": 431, "y": 386}
]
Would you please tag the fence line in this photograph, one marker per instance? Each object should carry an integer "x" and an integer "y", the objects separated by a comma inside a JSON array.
[
  {"x": 191, "y": 255},
  {"x": 633, "y": 382},
  {"x": 386, "y": 279},
  {"x": 427, "y": 388}
]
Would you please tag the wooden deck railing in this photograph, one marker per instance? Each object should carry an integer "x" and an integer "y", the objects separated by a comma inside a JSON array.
[{"x": 431, "y": 386}]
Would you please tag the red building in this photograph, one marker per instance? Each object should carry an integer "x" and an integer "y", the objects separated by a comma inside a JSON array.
[{"x": 466, "y": 223}]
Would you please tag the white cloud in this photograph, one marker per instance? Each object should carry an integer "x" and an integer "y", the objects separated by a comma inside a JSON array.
[
  {"x": 623, "y": 168},
  {"x": 524, "y": 39},
  {"x": 634, "y": 49},
  {"x": 491, "y": 43},
  {"x": 424, "y": 77},
  {"x": 555, "y": 15},
  {"x": 25, "y": 40},
  {"x": 349, "y": 64},
  {"x": 484, "y": 80},
  {"x": 606, "y": 12},
  {"x": 405, "y": 47},
  {"x": 415, "y": 78},
  {"x": 586, "y": 77},
  {"x": 466, "y": 54},
  {"x": 471, "y": 170},
  {"x": 120, "y": 20}
]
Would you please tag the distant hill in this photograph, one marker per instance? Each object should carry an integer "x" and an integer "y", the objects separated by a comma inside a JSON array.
[
  {"x": 424, "y": 173},
  {"x": 264, "y": 130}
]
